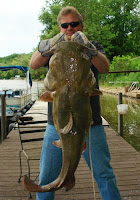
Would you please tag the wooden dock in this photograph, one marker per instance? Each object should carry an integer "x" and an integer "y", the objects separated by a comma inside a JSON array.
[
  {"x": 133, "y": 94},
  {"x": 125, "y": 161}
]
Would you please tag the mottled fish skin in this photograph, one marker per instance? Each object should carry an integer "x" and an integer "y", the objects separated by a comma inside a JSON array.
[{"x": 69, "y": 83}]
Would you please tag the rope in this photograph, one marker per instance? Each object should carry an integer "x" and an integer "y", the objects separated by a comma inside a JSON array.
[
  {"x": 93, "y": 182},
  {"x": 10, "y": 107}
]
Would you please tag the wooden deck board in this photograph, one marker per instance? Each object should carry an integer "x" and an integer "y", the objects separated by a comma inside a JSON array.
[{"x": 125, "y": 161}]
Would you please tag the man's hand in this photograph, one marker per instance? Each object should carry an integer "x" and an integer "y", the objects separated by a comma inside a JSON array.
[
  {"x": 46, "y": 45},
  {"x": 82, "y": 39}
]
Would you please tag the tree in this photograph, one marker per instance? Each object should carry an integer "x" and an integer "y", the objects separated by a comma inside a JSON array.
[
  {"x": 39, "y": 73},
  {"x": 113, "y": 22},
  {"x": 48, "y": 17},
  {"x": 126, "y": 26},
  {"x": 94, "y": 27}
]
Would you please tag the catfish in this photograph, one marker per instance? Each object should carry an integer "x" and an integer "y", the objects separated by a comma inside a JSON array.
[{"x": 69, "y": 84}]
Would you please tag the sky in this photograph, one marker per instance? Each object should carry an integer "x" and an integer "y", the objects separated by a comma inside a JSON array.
[{"x": 19, "y": 26}]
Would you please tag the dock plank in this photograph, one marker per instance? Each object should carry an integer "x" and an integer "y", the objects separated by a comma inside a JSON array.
[{"x": 125, "y": 161}]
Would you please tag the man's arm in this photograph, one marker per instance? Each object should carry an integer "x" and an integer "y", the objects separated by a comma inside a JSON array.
[
  {"x": 41, "y": 57},
  {"x": 101, "y": 63},
  {"x": 95, "y": 52},
  {"x": 37, "y": 60}
]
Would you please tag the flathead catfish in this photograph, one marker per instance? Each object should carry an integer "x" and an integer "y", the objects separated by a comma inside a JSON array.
[{"x": 69, "y": 84}]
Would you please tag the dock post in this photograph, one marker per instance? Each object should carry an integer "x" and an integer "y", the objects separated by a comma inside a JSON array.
[
  {"x": 38, "y": 89},
  {"x": 3, "y": 117},
  {"x": 120, "y": 117}
]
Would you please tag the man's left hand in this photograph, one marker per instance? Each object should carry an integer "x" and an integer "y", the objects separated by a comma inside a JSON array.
[{"x": 81, "y": 38}]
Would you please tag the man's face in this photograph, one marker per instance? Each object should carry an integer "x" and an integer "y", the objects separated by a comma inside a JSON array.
[{"x": 70, "y": 30}]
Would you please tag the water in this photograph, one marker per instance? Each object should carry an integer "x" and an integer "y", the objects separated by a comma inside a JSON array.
[{"x": 131, "y": 121}]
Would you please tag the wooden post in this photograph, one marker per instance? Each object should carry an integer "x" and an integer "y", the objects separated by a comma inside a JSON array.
[
  {"x": 38, "y": 89},
  {"x": 120, "y": 117},
  {"x": 3, "y": 117},
  {"x": 102, "y": 79}
]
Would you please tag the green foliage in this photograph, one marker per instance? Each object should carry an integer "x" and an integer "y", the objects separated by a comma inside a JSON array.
[
  {"x": 38, "y": 74},
  {"x": 125, "y": 20},
  {"x": 14, "y": 59},
  {"x": 122, "y": 64},
  {"x": 49, "y": 18},
  {"x": 135, "y": 63},
  {"x": 20, "y": 59}
]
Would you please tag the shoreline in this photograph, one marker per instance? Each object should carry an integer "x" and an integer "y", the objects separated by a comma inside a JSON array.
[{"x": 111, "y": 90}]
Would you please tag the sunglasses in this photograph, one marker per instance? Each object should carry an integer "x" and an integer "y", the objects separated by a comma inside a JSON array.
[{"x": 72, "y": 24}]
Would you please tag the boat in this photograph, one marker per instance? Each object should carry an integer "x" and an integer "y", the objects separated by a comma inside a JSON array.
[{"x": 18, "y": 100}]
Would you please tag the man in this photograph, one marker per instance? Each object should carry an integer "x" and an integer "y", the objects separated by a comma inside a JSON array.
[{"x": 71, "y": 22}]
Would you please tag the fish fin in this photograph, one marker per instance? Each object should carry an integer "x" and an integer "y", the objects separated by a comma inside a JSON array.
[
  {"x": 30, "y": 185},
  {"x": 57, "y": 143},
  {"x": 46, "y": 96},
  {"x": 96, "y": 92},
  {"x": 68, "y": 127},
  {"x": 85, "y": 146}
]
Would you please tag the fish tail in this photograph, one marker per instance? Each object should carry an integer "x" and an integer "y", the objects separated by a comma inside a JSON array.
[
  {"x": 32, "y": 187},
  {"x": 53, "y": 186}
]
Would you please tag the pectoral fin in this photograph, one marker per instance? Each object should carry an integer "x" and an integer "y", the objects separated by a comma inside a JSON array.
[
  {"x": 57, "y": 143},
  {"x": 46, "y": 96},
  {"x": 96, "y": 92}
]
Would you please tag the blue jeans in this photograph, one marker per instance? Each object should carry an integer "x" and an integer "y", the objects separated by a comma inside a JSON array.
[{"x": 51, "y": 161}]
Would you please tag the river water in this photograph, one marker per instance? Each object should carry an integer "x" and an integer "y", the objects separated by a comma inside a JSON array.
[
  {"x": 108, "y": 109},
  {"x": 131, "y": 121}
]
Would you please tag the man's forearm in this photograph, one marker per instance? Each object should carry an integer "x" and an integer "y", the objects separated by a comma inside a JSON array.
[
  {"x": 37, "y": 60},
  {"x": 101, "y": 63},
  {"x": 41, "y": 57}
]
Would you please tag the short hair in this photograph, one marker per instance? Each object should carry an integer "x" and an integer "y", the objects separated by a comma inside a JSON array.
[{"x": 67, "y": 10}]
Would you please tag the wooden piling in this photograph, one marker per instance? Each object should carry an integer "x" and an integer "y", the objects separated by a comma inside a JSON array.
[
  {"x": 3, "y": 117},
  {"x": 120, "y": 117},
  {"x": 38, "y": 90}
]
